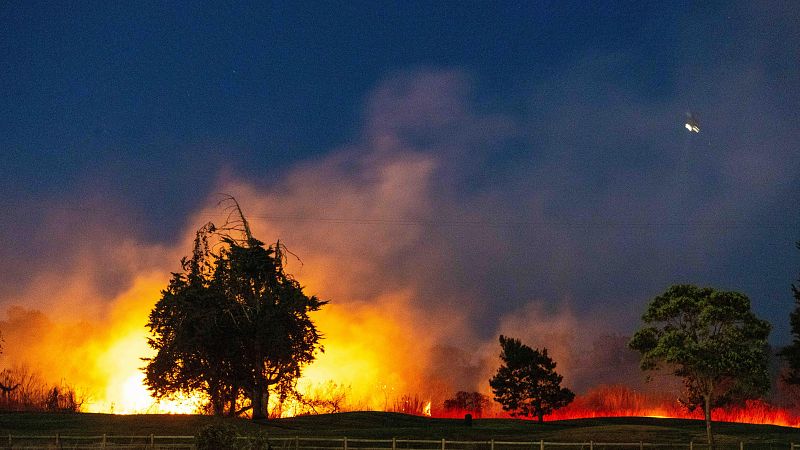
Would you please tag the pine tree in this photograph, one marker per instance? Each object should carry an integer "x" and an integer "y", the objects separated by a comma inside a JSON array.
[{"x": 526, "y": 384}]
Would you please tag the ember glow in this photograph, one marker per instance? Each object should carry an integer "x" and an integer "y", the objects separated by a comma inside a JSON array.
[{"x": 620, "y": 401}]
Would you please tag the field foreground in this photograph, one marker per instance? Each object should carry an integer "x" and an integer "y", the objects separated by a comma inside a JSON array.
[{"x": 381, "y": 425}]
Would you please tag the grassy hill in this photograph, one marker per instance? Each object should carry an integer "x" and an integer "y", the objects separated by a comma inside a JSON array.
[{"x": 381, "y": 425}]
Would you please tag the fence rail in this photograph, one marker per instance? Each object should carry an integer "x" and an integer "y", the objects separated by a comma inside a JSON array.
[{"x": 153, "y": 442}]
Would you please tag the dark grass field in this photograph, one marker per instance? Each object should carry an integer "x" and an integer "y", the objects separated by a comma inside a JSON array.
[{"x": 380, "y": 425}]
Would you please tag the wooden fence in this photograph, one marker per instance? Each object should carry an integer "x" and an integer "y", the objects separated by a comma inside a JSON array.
[{"x": 152, "y": 442}]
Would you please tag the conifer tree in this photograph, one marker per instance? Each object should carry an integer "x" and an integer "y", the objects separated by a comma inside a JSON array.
[{"x": 526, "y": 384}]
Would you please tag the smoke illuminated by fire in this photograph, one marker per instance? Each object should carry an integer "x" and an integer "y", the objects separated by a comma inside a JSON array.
[
  {"x": 404, "y": 329},
  {"x": 381, "y": 334},
  {"x": 378, "y": 348}
]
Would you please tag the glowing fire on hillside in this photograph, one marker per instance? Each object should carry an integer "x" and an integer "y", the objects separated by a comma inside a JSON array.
[
  {"x": 368, "y": 364},
  {"x": 379, "y": 344},
  {"x": 753, "y": 412},
  {"x": 620, "y": 401},
  {"x": 359, "y": 370}
]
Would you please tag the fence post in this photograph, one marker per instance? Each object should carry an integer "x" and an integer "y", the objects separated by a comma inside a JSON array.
[
  {"x": 442, "y": 444},
  {"x": 9, "y": 440},
  {"x": 541, "y": 444},
  {"x": 691, "y": 444},
  {"x": 57, "y": 441},
  {"x": 345, "y": 443},
  {"x": 591, "y": 445},
  {"x": 394, "y": 444},
  {"x": 297, "y": 443},
  {"x": 491, "y": 445},
  {"x": 104, "y": 441},
  {"x": 152, "y": 442},
  {"x": 641, "y": 445},
  {"x": 741, "y": 445}
]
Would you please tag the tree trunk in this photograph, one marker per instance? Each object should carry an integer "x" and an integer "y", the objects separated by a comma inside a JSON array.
[
  {"x": 219, "y": 407},
  {"x": 258, "y": 403},
  {"x": 233, "y": 396},
  {"x": 707, "y": 411},
  {"x": 217, "y": 401}
]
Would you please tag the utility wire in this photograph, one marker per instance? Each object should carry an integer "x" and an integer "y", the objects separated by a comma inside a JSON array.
[
  {"x": 445, "y": 222},
  {"x": 513, "y": 223}
]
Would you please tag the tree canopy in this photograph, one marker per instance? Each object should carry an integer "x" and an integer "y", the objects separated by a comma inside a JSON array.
[
  {"x": 469, "y": 402},
  {"x": 526, "y": 384},
  {"x": 232, "y": 325},
  {"x": 709, "y": 338}
]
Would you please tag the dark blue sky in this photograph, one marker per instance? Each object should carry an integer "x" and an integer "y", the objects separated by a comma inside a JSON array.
[{"x": 562, "y": 171}]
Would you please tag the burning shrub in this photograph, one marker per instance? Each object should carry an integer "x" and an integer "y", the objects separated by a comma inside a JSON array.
[
  {"x": 62, "y": 399},
  {"x": 327, "y": 398},
  {"x": 614, "y": 398},
  {"x": 411, "y": 405}
]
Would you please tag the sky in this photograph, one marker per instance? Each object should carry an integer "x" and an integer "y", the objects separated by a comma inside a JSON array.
[{"x": 507, "y": 166}]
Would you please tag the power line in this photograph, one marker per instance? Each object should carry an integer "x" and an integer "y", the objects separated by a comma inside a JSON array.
[
  {"x": 445, "y": 222},
  {"x": 514, "y": 223}
]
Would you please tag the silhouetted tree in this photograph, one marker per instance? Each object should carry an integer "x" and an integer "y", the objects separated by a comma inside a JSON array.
[
  {"x": 192, "y": 335},
  {"x": 526, "y": 384},
  {"x": 709, "y": 338},
  {"x": 270, "y": 316},
  {"x": 471, "y": 402},
  {"x": 233, "y": 323},
  {"x": 791, "y": 353}
]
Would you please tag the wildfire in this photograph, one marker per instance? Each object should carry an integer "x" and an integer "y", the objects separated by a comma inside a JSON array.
[
  {"x": 357, "y": 360},
  {"x": 368, "y": 364},
  {"x": 620, "y": 401},
  {"x": 376, "y": 349},
  {"x": 753, "y": 412}
]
